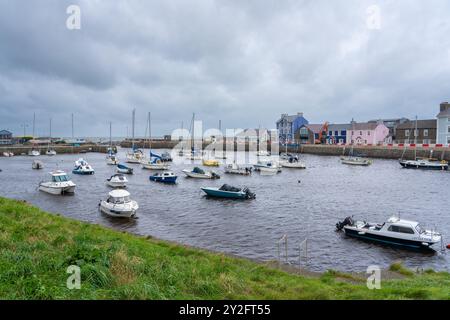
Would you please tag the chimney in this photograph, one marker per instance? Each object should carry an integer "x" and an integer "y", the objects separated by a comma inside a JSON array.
[{"x": 445, "y": 106}]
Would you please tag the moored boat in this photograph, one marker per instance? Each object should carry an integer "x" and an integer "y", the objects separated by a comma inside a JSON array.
[
  {"x": 164, "y": 177},
  {"x": 8, "y": 154},
  {"x": 166, "y": 157},
  {"x": 210, "y": 162},
  {"x": 395, "y": 231},
  {"x": 83, "y": 167},
  {"x": 292, "y": 162},
  {"x": 227, "y": 191},
  {"x": 37, "y": 165},
  {"x": 122, "y": 168},
  {"x": 427, "y": 164},
  {"x": 60, "y": 184},
  {"x": 119, "y": 205},
  {"x": 117, "y": 181},
  {"x": 272, "y": 165},
  {"x": 34, "y": 153},
  {"x": 50, "y": 152},
  {"x": 356, "y": 161},
  {"x": 112, "y": 160},
  {"x": 200, "y": 174},
  {"x": 237, "y": 169}
]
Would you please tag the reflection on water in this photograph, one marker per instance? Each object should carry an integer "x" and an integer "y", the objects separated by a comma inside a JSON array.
[{"x": 327, "y": 192}]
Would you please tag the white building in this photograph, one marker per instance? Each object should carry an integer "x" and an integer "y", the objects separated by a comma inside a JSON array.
[{"x": 443, "y": 124}]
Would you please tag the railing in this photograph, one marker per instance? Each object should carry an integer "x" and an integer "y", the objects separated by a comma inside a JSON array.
[{"x": 302, "y": 250}]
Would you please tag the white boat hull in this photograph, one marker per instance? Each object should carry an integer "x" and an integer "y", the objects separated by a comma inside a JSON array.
[
  {"x": 116, "y": 184},
  {"x": 293, "y": 165},
  {"x": 155, "y": 166},
  {"x": 356, "y": 161},
  {"x": 127, "y": 210},
  {"x": 56, "y": 189},
  {"x": 197, "y": 175}
]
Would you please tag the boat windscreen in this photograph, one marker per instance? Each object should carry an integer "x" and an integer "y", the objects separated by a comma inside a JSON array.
[{"x": 60, "y": 178}]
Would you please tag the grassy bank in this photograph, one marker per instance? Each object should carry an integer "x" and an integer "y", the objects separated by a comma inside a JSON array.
[{"x": 37, "y": 247}]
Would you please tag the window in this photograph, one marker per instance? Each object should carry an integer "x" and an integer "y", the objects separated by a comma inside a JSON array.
[
  {"x": 406, "y": 133},
  {"x": 336, "y": 133},
  {"x": 448, "y": 140},
  {"x": 343, "y": 133},
  {"x": 330, "y": 133},
  {"x": 401, "y": 229},
  {"x": 360, "y": 133},
  {"x": 368, "y": 133},
  {"x": 448, "y": 129},
  {"x": 425, "y": 132}
]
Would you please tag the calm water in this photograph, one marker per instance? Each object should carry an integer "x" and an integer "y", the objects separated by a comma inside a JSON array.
[{"x": 326, "y": 193}]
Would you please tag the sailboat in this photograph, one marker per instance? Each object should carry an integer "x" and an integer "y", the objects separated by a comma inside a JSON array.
[
  {"x": 421, "y": 163},
  {"x": 33, "y": 152},
  {"x": 50, "y": 151},
  {"x": 193, "y": 155},
  {"x": 353, "y": 160},
  {"x": 111, "y": 158},
  {"x": 155, "y": 162},
  {"x": 134, "y": 155},
  {"x": 291, "y": 161}
]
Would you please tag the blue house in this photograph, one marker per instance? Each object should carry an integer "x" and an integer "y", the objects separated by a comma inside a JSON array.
[
  {"x": 287, "y": 126},
  {"x": 5, "y": 137},
  {"x": 337, "y": 133}
]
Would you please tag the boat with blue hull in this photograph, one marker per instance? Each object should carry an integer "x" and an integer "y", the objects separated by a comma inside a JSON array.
[
  {"x": 230, "y": 192},
  {"x": 164, "y": 177},
  {"x": 122, "y": 168},
  {"x": 395, "y": 231}
]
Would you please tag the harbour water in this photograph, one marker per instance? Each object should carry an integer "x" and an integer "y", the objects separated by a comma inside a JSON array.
[{"x": 299, "y": 203}]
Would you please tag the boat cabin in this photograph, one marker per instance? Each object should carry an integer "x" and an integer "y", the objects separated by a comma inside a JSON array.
[
  {"x": 119, "y": 197},
  {"x": 59, "y": 176}
]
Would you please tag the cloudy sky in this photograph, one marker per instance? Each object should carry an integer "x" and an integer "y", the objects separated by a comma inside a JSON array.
[{"x": 244, "y": 62}]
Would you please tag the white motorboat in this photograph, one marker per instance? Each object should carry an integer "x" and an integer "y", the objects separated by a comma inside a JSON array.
[
  {"x": 112, "y": 160},
  {"x": 292, "y": 162},
  {"x": 263, "y": 153},
  {"x": 267, "y": 164},
  {"x": 34, "y": 153},
  {"x": 37, "y": 165},
  {"x": 119, "y": 204},
  {"x": 117, "y": 181},
  {"x": 201, "y": 174},
  {"x": 237, "y": 169},
  {"x": 8, "y": 154},
  {"x": 356, "y": 161},
  {"x": 60, "y": 184},
  {"x": 395, "y": 231},
  {"x": 82, "y": 167},
  {"x": 50, "y": 152},
  {"x": 268, "y": 171}
]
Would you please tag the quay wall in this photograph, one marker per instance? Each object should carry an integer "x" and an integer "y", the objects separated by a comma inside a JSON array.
[{"x": 60, "y": 149}]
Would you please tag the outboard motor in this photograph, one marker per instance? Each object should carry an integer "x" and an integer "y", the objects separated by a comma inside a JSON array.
[
  {"x": 341, "y": 224},
  {"x": 215, "y": 175},
  {"x": 249, "y": 194}
]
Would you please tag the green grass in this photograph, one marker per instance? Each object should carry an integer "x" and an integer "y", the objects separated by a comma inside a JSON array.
[{"x": 37, "y": 247}]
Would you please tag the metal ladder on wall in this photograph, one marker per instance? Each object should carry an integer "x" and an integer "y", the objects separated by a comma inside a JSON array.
[{"x": 302, "y": 251}]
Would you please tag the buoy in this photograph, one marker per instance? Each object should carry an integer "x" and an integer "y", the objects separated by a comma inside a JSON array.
[{"x": 448, "y": 246}]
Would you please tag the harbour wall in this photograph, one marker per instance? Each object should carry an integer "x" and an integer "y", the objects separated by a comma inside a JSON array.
[{"x": 60, "y": 149}]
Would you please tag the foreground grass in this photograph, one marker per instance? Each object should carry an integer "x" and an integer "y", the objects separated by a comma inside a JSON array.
[{"x": 37, "y": 247}]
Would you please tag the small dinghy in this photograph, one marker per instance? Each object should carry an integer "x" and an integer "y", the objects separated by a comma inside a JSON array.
[
  {"x": 60, "y": 184},
  {"x": 237, "y": 169},
  {"x": 8, "y": 154},
  {"x": 211, "y": 163},
  {"x": 293, "y": 162},
  {"x": 119, "y": 205},
  {"x": 82, "y": 167},
  {"x": 201, "y": 174},
  {"x": 121, "y": 168},
  {"x": 227, "y": 191},
  {"x": 164, "y": 177},
  {"x": 37, "y": 165},
  {"x": 426, "y": 164},
  {"x": 50, "y": 152},
  {"x": 356, "y": 161},
  {"x": 34, "y": 153},
  {"x": 117, "y": 181},
  {"x": 394, "y": 231}
]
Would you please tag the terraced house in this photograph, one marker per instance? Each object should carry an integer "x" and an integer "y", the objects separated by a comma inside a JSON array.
[
  {"x": 337, "y": 133},
  {"x": 425, "y": 134},
  {"x": 443, "y": 124},
  {"x": 287, "y": 126},
  {"x": 5, "y": 137}
]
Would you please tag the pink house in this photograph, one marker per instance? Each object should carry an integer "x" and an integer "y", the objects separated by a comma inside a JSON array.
[{"x": 367, "y": 133}]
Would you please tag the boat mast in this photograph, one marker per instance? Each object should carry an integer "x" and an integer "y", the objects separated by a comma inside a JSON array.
[
  {"x": 193, "y": 133},
  {"x": 149, "y": 123},
  {"x": 133, "y": 115},
  {"x": 415, "y": 141},
  {"x": 73, "y": 137},
  {"x": 110, "y": 135},
  {"x": 50, "y": 135}
]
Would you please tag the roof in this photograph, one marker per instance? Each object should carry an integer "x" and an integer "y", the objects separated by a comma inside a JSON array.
[
  {"x": 5, "y": 132},
  {"x": 421, "y": 124},
  {"x": 316, "y": 128},
  {"x": 290, "y": 118},
  {"x": 119, "y": 193},
  {"x": 339, "y": 127},
  {"x": 444, "y": 114},
  {"x": 364, "y": 126}
]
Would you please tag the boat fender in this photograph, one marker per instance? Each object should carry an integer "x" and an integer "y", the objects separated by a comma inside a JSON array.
[
  {"x": 448, "y": 246},
  {"x": 425, "y": 244},
  {"x": 361, "y": 233}
]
